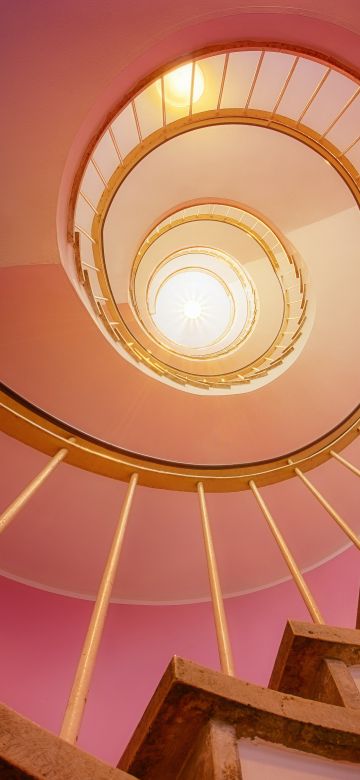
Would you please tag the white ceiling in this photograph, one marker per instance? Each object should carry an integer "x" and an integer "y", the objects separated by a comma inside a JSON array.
[{"x": 273, "y": 174}]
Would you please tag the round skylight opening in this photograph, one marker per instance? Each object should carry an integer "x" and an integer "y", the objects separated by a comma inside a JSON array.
[
  {"x": 197, "y": 302},
  {"x": 193, "y": 308}
]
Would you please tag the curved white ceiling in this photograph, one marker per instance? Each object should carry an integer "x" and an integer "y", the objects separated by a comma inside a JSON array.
[
  {"x": 61, "y": 539},
  {"x": 308, "y": 201},
  {"x": 264, "y": 170},
  {"x": 134, "y": 164}
]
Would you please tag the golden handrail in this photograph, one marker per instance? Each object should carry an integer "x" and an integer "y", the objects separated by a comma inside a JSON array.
[
  {"x": 260, "y": 45},
  {"x": 31, "y": 425}
]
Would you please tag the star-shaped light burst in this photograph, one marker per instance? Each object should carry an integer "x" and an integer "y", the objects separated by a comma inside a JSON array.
[{"x": 193, "y": 308}]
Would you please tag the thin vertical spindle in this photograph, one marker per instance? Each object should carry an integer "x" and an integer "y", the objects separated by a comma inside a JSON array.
[
  {"x": 325, "y": 504},
  {"x": 77, "y": 700},
  {"x": 289, "y": 560},
  {"x": 222, "y": 634},
  {"x": 345, "y": 463},
  {"x": 9, "y": 513}
]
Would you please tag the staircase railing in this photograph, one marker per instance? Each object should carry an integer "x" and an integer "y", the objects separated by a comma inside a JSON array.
[{"x": 65, "y": 444}]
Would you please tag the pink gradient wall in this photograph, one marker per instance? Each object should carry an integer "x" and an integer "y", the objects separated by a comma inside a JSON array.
[{"x": 42, "y": 635}]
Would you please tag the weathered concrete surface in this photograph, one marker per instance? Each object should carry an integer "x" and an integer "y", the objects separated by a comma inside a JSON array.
[
  {"x": 189, "y": 697},
  {"x": 28, "y": 752}
]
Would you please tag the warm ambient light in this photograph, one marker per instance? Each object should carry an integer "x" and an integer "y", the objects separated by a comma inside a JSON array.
[
  {"x": 177, "y": 85},
  {"x": 192, "y": 309}
]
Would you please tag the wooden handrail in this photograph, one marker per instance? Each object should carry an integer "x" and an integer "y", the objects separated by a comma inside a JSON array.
[{"x": 38, "y": 429}]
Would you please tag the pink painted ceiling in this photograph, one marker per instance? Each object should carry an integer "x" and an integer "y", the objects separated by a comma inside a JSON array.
[
  {"x": 61, "y": 539},
  {"x": 67, "y": 65},
  {"x": 54, "y": 355}
]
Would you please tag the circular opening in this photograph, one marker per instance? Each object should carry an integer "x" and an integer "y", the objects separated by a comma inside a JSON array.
[{"x": 193, "y": 308}]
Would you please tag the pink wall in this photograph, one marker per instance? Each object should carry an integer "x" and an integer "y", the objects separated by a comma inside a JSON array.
[
  {"x": 42, "y": 635},
  {"x": 41, "y": 632}
]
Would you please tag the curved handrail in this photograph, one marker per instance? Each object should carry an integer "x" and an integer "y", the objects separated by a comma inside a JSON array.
[
  {"x": 275, "y": 45},
  {"x": 28, "y": 423},
  {"x": 89, "y": 206}
]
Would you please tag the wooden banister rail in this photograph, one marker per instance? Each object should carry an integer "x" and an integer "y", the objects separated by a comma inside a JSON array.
[{"x": 31, "y": 425}]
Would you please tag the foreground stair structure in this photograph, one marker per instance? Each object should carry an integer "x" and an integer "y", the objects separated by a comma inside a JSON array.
[
  {"x": 237, "y": 161},
  {"x": 197, "y": 720},
  {"x": 193, "y": 723}
]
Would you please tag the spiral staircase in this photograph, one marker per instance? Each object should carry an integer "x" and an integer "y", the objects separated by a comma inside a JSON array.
[{"x": 179, "y": 401}]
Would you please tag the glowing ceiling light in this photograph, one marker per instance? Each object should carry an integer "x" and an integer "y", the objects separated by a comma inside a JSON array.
[
  {"x": 177, "y": 85},
  {"x": 193, "y": 306},
  {"x": 192, "y": 309}
]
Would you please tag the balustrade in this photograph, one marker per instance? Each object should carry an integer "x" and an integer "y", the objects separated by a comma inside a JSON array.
[{"x": 20, "y": 419}]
